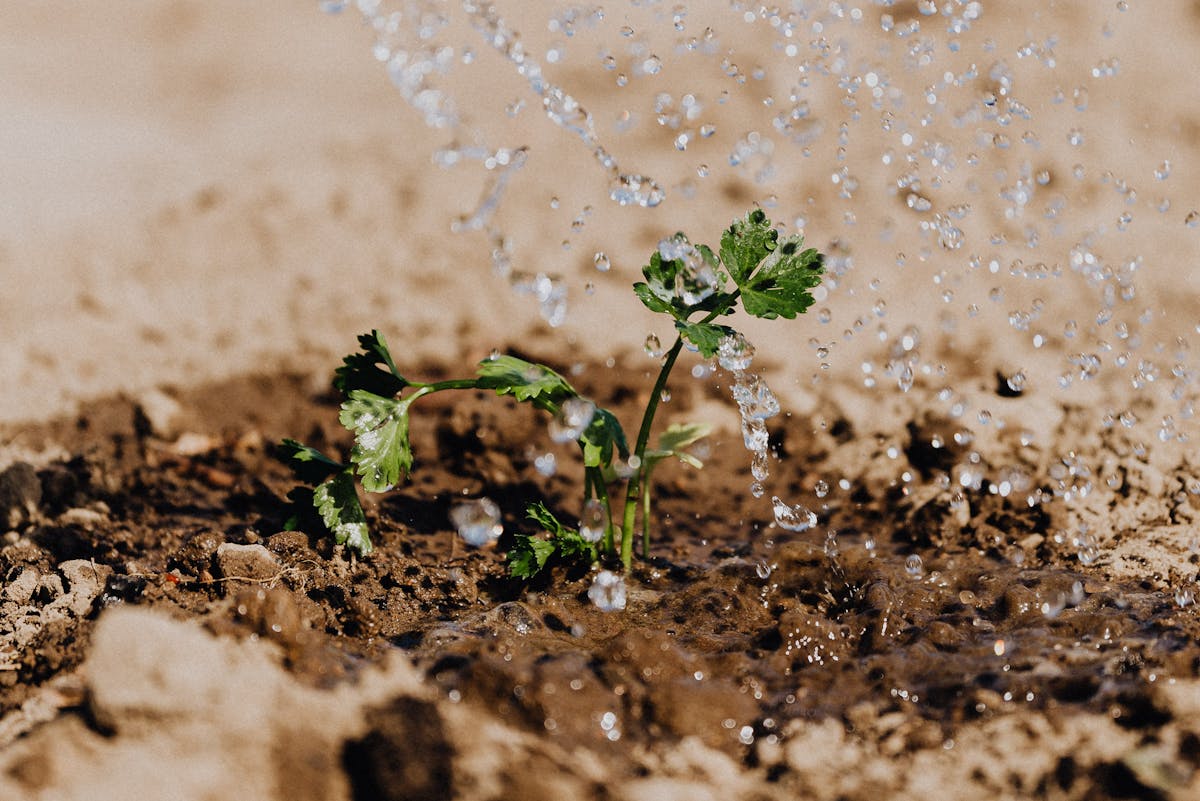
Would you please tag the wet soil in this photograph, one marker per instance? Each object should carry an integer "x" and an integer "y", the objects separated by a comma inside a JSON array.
[{"x": 914, "y": 621}]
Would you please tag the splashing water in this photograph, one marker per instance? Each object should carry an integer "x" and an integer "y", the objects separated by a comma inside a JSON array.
[
  {"x": 608, "y": 592},
  {"x": 792, "y": 518},
  {"x": 969, "y": 180}
]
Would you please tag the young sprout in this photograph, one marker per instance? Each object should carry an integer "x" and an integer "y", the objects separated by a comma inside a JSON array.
[{"x": 766, "y": 275}]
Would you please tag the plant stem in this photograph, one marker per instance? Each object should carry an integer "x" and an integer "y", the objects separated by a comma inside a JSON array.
[
  {"x": 635, "y": 482},
  {"x": 453, "y": 383},
  {"x": 646, "y": 516}
]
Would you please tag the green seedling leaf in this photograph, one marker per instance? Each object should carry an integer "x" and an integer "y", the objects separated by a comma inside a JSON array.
[
  {"x": 381, "y": 448},
  {"x": 528, "y": 555},
  {"x": 746, "y": 243},
  {"x": 538, "y": 513},
  {"x": 677, "y": 437},
  {"x": 602, "y": 436},
  {"x": 574, "y": 549},
  {"x": 309, "y": 464},
  {"x": 780, "y": 286},
  {"x": 705, "y": 336},
  {"x": 667, "y": 280},
  {"x": 524, "y": 380},
  {"x": 337, "y": 503},
  {"x": 363, "y": 370}
]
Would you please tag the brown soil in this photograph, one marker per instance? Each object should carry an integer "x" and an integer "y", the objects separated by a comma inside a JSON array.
[{"x": 751, "y": 662}]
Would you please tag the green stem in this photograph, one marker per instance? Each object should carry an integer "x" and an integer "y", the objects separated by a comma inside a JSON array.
[
  {"x": 635, "y": 482},
  {"x": 638, "y": 481},
  {"x": 453, "y": 383},
  {"x": 646, "y": 488}
]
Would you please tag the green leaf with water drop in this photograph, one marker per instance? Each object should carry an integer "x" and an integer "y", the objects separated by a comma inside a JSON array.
[
  {"x": 746, "y": 243},
  {"x": 528, "y": 555},
  {"x": 525, "y": 381},
  {"x": 782, "y": 284},
  {"x": 705, "y": 336},
  {"x": 381, "y": 449},
  {"x": 372, "y": 369},
  {"x": 666, "y": 279},
  {"x": 337, "y": 503},
  {"x": 601, "y": 438}
]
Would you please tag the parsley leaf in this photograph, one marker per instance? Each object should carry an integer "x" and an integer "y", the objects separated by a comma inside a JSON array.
[
  {"x": 673, "y": 441},
  {"x": 538, "y": 513},
  {"x": 668, "y": 281},
  {"x": 381, "y": 448},
  {"x": 309, "y": 464},
  {"x": 780, "y": 286},
  {"x": 705, "y": 336},
  {"x": 601, "y": 436},
  {"x": 528, "y": 556},
  {"x": 746, "y": 243},
  {"x": 524, "y": 380},
  {"x": 337, "y": 503},
  {"x": 362, "y": 370}
]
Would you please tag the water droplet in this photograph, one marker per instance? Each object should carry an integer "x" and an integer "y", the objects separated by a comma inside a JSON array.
[
  {"x": 1087, "y": 552},
  {"x": 546, "y": 464},
  {"x": 1192, "y": 220},
  {"x": 735, "y": 353},
  {"x": 653, "y": 346},
  {"x": 762, "y": 569},
  {"x": 821, "y": 489},
  {"x": 593, "y": 521},
  {"x": 601, "y": 261},
  {"x": 755, "y": 399},
  {"x": 792, "y": 518},
  {"x": 913, "y": 566},
  {"x": 1164, "y": 171},
  {"x": 636, "y": 190},
  {"x": 652, "y": 65},
  {"x": 572, "y": 419},
  {"x": 477, "y": 521},
  {"x": 607, "y": 593},
  {"x": 759, "y": 466},
  {"x": 757, "y": 490}
]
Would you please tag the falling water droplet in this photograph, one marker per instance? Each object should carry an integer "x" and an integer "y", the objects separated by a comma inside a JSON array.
[
  {"x": 602, "y": 262},
  {"x": 593, "y": 521},
  {"x": 792, "y": 518},
  {"x": 653, "y": 346},
  {"x": 477, "y": 521},
  {"x": 636, "y": 190},
  {"x": 913, "y": 566},
  {"x": 607, "y": 592},
  {"x": 572, "y": 419}
]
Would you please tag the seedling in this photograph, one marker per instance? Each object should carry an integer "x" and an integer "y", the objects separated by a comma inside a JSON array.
[{"x": 768, "y": 275}]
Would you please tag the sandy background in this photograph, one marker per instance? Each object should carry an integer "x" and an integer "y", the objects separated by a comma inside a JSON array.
[{"x": 200, "y": 189}]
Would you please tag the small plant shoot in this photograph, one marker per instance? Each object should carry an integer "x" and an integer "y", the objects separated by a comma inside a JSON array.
[{"x": 767, "y": 275}]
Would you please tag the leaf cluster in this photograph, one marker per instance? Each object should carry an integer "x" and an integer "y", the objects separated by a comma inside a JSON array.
[
  {"x": 771, "y": 276},
  {"x": 531, "y": 554},
  {"x": 376, "y": 412}
]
